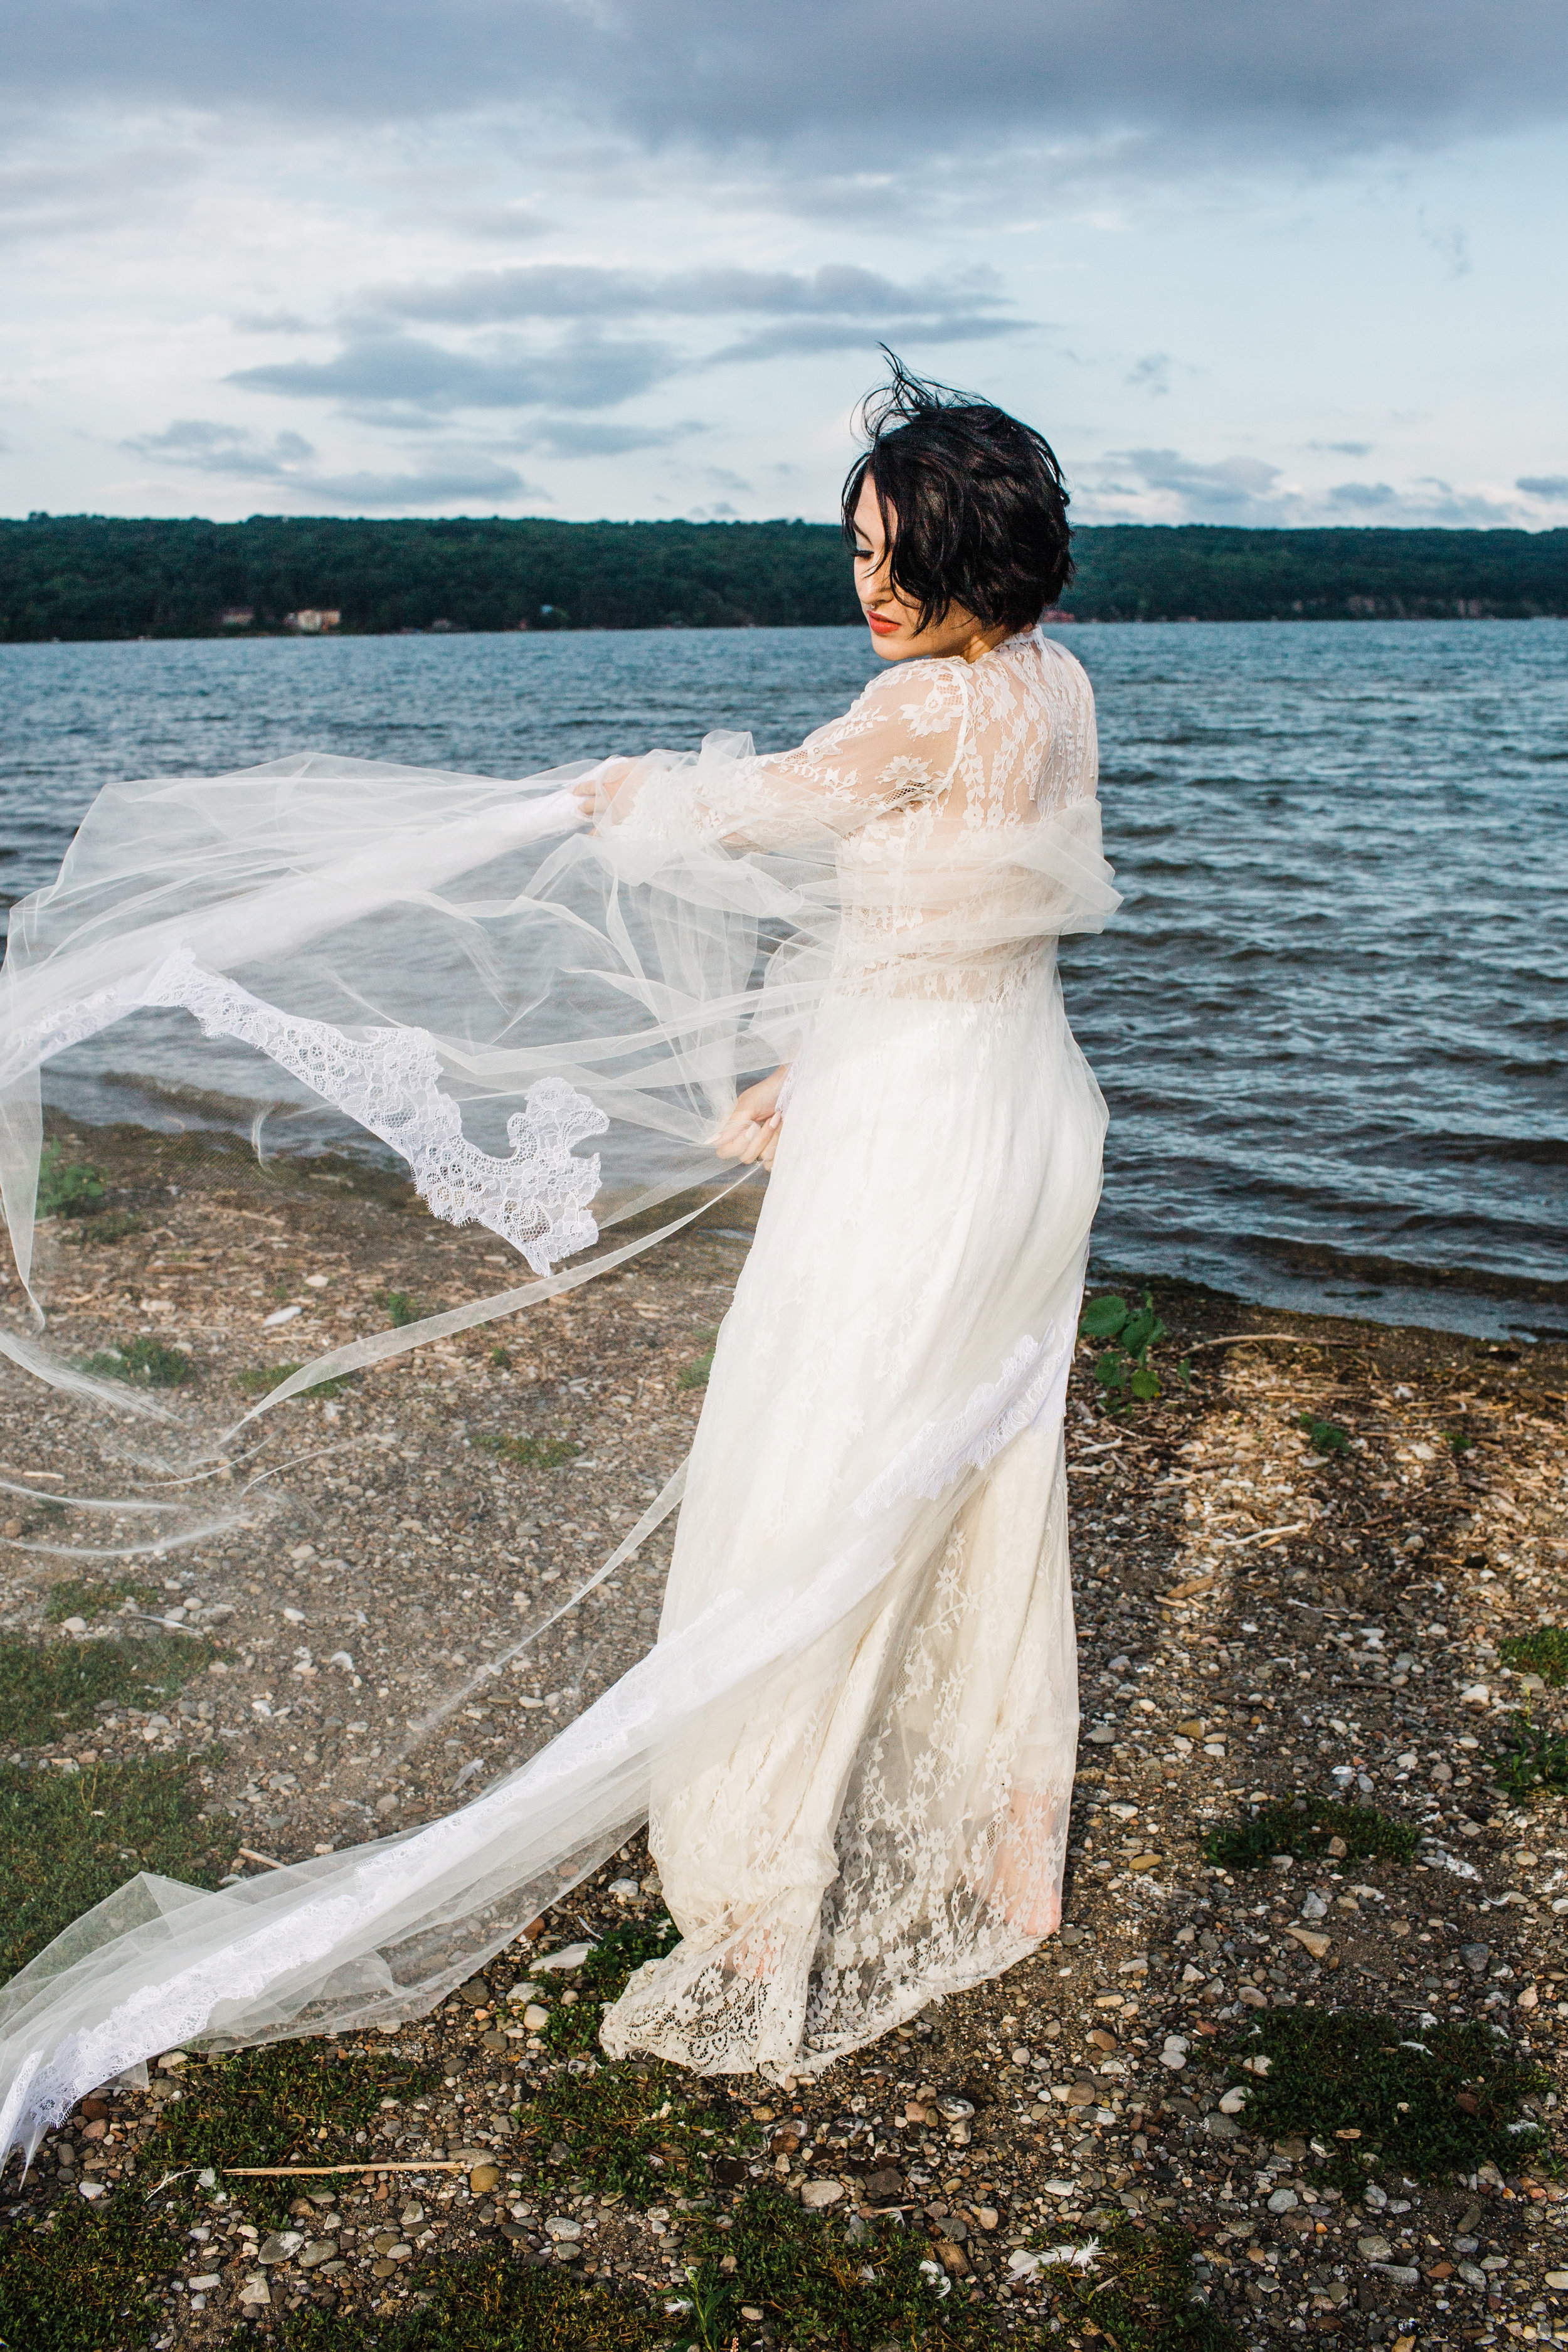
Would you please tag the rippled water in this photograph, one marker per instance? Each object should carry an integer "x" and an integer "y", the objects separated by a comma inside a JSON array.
[{"x": 1331, "y": 1020}]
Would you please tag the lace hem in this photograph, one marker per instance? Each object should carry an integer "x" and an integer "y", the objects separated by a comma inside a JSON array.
[{"x": 389, "y": 1082}]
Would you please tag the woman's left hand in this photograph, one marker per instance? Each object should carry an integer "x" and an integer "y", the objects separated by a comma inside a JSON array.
[{"x": 595, "y": 792}]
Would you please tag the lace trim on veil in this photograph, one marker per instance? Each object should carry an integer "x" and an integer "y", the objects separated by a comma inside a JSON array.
[
  {"x": 389, "y": 1082},
  {"x": 1030, "y": 1388}
]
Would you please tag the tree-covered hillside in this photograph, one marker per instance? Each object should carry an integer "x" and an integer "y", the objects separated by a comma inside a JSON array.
[{"x": 77, "y": 576}]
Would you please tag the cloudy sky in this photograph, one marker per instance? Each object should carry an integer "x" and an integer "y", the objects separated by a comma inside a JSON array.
[{"x": 1244, "y": 260}]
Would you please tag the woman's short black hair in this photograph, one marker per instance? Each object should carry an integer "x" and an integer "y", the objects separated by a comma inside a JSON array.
[{"x": 972, "y": 501}]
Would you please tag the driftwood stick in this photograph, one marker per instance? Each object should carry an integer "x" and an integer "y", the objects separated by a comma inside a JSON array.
[{"x": 288, "y": 2171}]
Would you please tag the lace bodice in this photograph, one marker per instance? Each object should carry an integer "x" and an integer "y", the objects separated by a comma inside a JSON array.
[{"x": 934, "y": 792}]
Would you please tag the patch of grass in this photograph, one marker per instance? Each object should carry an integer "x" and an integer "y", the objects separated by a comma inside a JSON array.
[
  {"x": 500, "y": 1359},
  {"x": 68, "y": 1839},
  {"x": 1138, "y": 2293},
  {"x": 47, "y": 1689},
  {"x": 1370, "y": 2090},
  {"x": 76, "y": 1599},
  {"x": 144, "y": 1360},
  {"x": 84, "y": 2278},
  {"x": 402, "y": 1309},
  {"x": 804, "y": 2271},
  {"x": 1303, "y": 1826},
  {"x": 291, "y": 2102},
  {"x": 109, "y": 1225},
  {"x": 1544, "y": 1653},
  {"x": 528, "y": 1453},
  {"x": 489, "y": 2303},
  {"x": 1535, "y": 1761},
  {"x": 1459, "y": 1441},
  {"x": 1123, "y": 1370},
  {"x": 260, "y": 1380},
  {"x": 1326, "y": 1437},
  {"x": 603, "y": 1978},
  {"x": 695, "y": 1374},
  {"x": 631, "y": 2132},
  {"x": 73, "y": 1190}
]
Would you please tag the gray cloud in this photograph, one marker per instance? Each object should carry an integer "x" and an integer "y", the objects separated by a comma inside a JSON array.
[
  {"x": 803, "y": 338},
  {"x": 1273, "y": 72},
  {"x": 1344, "y": 448},
  {"x": 390, "y": 370},
  {"x": 202, "y": 446},
  {"x": 584, "y": 436},
  {"x": 1543, "y": 485},
  {"x": 1228, "y": 486},
  {"x": 579, "y": 291},
  {"x": 1150, "y": 373},
  {"x": 1363, "y": 495}
]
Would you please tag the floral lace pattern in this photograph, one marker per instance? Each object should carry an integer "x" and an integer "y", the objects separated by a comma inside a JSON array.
[{"x": 389, "y": 1081}]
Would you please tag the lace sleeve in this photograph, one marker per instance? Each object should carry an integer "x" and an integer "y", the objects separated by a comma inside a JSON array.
[{"x": 896, "y": 745}]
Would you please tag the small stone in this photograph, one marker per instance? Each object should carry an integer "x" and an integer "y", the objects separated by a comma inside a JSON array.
[
  {"x": 93, "y": 2190},
  {"x": 882, "y": 2188},
  {"x": 562, "y": 2227},
  {"x": 411, "y": 2216},
  {"x": 205, "y": 2282},
  {"x": 75, "y": 1625},
  {"x": 281, "y": 2246},
  {"x": 534, "y": 2017},
  {"x": 1374, "y": 2249},
  {"x": 256, "y": 2291},
  {"x": 1475, "y": 1957},
  {"x": 387, "y": 1804},
  {"x": 1102, "y": 1736},
  {"x": 1251, "y": 1998},
  {"x": 1557, "y": 2280},
  {"x": 1310, "y": 1941},
  {"x": 476, "y": 1992},
  {"x": 483, "y": 2179},
  {"x": 1233, "y": 2100},
  {"x": 817, "y": 2194},
  {"x": 1283, "y": 2201},
  {"x": 1222, "y": 2124},
  {"x": 625, "y": 1890},
  {"x": 952, "y": 2258},
  {"x": 1475, "y": 1695},
  {"x": 1528, "y": 1998},
  {"x": 320, "y": 2250}
]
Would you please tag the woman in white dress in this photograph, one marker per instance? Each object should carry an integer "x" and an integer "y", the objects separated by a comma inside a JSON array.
[{"x": 853, "y": 1742}]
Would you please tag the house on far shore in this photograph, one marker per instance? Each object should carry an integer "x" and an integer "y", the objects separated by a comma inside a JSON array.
[
  {"x": 237, "y": 616},
  {"x": 310, "y": 623}
]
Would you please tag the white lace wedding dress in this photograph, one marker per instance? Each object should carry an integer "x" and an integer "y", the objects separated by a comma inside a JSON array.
[{"x": 853, "y": 1741}]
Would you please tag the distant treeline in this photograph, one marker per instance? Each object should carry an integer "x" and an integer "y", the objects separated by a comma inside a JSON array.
[{"x": 86, "y": 576}]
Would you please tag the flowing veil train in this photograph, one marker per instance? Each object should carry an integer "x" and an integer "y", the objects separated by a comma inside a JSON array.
[{"x": 853, "y": 1739}]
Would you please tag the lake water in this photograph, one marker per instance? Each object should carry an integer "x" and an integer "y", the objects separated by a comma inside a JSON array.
[{"x": 1331, "y": 1019}]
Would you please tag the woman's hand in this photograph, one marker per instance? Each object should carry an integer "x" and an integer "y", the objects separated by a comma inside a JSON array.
[
  {"x": 752, "y": 1128},
  {"x": 595, "y": 792}
]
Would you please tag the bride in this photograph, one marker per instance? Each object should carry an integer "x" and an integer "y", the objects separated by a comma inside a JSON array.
[{"x": 853, "y": 1741}]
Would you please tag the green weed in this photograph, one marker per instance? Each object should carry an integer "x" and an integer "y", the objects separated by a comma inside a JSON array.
[
  {"x": 529, "y": 1452},
  {"x": 1326, "y": 1437},
  {"x": 1458, "y": 1441},
  {"x": 634, "y": 2132},
  {"x": 805, "y": 2272},
  {"x": 73, "y": 1598},
  {"x": 1303, "y": 1826},
  {"x": 1366, "y": 2088},
  {"x": 1534, "y": 1762},
  {"x": 488, "y": 2303},
  {"x": 145, "y": 1361},
  {"x": 603, "y": 1978},
  {"x": 75, "y": 1190},
  {"x": 1544, "y": 1653},
  {"x": 85, "y": 2278},
  {"x": 1123, "y": 1368},
  {"x": 402, "y": 1309},
  {"x": 109, "y": 1225},
  {"x": 68, "y": 1840},
  {"x": 500, "y": 1359},
  {"x": 1138, "y": 2293},
  {"x": 47, "y": 1689},
  {"x": 290, "y": 2103},
  {"x": 260, "y": 1380},
  {"x": 695, "y": 1374}
]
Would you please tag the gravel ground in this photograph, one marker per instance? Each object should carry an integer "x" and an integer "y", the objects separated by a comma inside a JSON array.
[{"x": 1256, "y": 1619}]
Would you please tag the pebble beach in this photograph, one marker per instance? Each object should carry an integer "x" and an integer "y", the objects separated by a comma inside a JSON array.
[{"x": 1303, "y": 1576}]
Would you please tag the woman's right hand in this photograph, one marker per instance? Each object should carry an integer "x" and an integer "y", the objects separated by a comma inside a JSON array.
[{"x": 752, "y": 1131}]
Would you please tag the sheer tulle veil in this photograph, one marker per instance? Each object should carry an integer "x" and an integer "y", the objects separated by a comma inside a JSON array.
[{"x": 521, "y": 1005}]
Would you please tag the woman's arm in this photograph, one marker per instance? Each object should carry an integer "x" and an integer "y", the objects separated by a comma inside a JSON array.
[{"x": 751, "y": 1130}]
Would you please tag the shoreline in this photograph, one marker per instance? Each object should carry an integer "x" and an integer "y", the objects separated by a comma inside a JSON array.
[{"x": 1258, "y": 1619}]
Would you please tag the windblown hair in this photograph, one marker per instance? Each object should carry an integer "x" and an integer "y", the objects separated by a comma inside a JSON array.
[{"x": 972, "y": 503}]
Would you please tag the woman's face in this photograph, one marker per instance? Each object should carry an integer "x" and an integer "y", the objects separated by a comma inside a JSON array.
[{"x": 892, "y": 620}]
